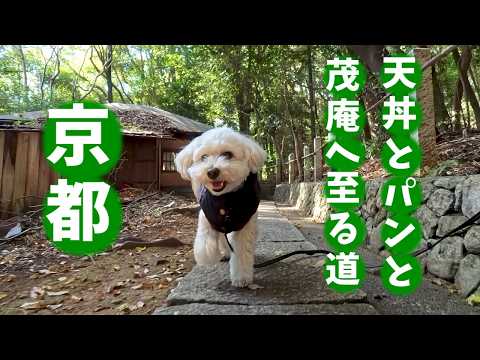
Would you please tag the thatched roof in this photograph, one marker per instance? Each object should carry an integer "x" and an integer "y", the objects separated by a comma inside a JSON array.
[{"x": 135, "y": 119}]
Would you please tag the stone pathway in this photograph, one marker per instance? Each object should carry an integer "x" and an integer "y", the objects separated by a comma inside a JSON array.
[
  {"x": 292, "y": 286},
  {"x": 431, "y": 298}
]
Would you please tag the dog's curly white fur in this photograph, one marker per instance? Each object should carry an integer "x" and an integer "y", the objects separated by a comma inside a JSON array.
[{"x": 233, "y": 156}]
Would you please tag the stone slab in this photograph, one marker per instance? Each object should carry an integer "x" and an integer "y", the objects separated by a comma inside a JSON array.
[
  {"x": 313, "y": 309},
  {"x": 290, "y": 281},
  {"x": 274, "y": 227}
]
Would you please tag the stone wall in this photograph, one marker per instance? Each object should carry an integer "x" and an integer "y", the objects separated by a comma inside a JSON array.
[{"x": 447, "y": 202}]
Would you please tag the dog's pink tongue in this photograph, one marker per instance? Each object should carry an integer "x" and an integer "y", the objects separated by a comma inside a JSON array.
[{"x": 217, "y": 184}]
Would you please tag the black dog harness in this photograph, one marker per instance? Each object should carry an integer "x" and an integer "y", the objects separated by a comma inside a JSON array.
[{"x": 231, "y": 211}]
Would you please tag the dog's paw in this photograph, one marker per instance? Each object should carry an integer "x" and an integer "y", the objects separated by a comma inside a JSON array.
[{"x": 241, "y": 283}]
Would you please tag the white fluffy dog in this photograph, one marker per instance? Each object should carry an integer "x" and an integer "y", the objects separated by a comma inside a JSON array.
[{"x": 219, "y": 161}]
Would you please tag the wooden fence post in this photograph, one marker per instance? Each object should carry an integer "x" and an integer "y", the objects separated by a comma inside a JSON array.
[
  {"x": 278, "y": 170},
  {"x": 317, "y": 160},
  {"x": 426, "y": 133},
  {"x": 306, "y": 167},
  {"x": 290, "y": 169}
]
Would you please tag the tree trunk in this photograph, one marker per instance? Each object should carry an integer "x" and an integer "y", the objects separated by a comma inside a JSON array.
[
  {"x": 466, "y": 121},
  {"x": 474, "y": 80},
  {"x": 457, "y": 106},
  {"x": 24, "y": 70},
  {"x": 56, "y": 74},
  {"x": 298, "y": 153},
  {"x": 375, "y": 130},
  {"x": 463, "y": 62},
  {"x": 243, "y": 110},
  {"x": 279, "y": 161},
  {"x": 441, "y": 113},
  {"x": 108, "y": 73},
  {"x": 367, "y": 133},
  {"x": 370, "y": 55},
  {"x": 311, "y": 95}
]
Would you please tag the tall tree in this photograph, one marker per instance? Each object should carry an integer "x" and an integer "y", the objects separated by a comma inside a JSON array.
[
  {"x": 108, "y": 73},
  {"x": 463, "y": 61},
  {"x": 441, "y": 112},
  {"x": 311, "y": 95},
  {"x": 23, "y": 63}
]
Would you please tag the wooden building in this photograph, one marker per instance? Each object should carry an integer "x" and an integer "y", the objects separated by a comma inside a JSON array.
[{"x": 151, "y": 138}]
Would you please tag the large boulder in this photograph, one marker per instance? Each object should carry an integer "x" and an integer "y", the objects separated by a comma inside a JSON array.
[
  {"x": 471, "y": 196},
  {"x": 448, "y": 182},
  {"x": 468, "y": 274},
  {"x": 441, "y": 201},
  {"x": 427, "y": 190},
  {"x": 428, "y": 220},
  {"x": 444, "y": 259},
  {"x": 448, "y": 223},
  {"x": 282, "y": 193},
  {"x": 472, "y": 240}
]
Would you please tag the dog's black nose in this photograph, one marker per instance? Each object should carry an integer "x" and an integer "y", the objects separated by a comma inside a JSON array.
[{"x": 213, "y": 173}]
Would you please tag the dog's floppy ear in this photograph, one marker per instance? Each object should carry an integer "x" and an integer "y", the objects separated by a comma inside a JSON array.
[
  {"x": 256, "y": 156},
  {"x": 184, "y": 159}
]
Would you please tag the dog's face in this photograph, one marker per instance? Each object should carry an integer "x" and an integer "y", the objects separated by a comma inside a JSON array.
[{"x": 220, "y": 159}]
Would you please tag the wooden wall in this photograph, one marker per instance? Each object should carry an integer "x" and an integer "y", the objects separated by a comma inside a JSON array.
[
  {"x": 143, "y": 163},
  {"x": 24, "y": 173},
  {"x": 139, "y": 164},
  {"x": 169, "y": 179}
]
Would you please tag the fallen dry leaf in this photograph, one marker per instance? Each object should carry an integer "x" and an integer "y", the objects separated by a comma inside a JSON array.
[
  {"x": 69, "y": 281},
  {"x": 36, "y": 305},
  {"x": 57, "y": 293},
  {"x": 76, "y": 298},
  {"x": 474, "y": 300},
  {"x": 3, "y": 295},
  {"x": 124, "y": 307},
  {"x": 46, "y": 272},
  {"x": 54, "y": 307}
]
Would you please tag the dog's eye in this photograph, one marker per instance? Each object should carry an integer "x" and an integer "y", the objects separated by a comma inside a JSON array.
[
  {"x": 227, "y": 155},
  {"x": 204, "y": 157}
]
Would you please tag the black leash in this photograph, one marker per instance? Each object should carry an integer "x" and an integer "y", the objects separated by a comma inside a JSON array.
[
  {"x": 284, "y": 256},
  {"x": 465, "y": 225},
  {"x": 228, "y": 242}
]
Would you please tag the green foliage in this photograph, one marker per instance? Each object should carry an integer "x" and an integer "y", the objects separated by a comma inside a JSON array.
[{"x": 260, "y": 89}]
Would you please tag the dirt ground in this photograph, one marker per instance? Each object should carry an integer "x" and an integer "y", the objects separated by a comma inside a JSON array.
[{"x": 35, "y": 278}]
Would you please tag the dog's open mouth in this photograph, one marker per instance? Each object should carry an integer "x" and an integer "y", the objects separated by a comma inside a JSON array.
[{"x": 218, "y": 186}]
